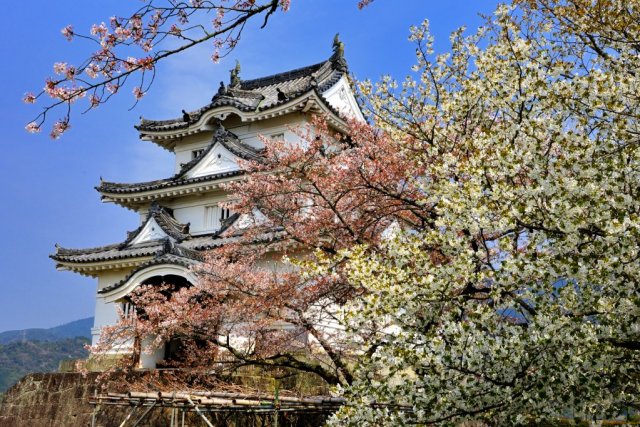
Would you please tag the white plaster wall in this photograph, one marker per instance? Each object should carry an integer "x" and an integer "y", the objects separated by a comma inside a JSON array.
[
  {"x": 340, "y": 96},
  {"x": 105, "y": 313},
  {"x": 192, "y": 210},
  {"x": 151, "y": 231},
  {"x": 250, "y": 133},
  {"x": 149, "y": 359},
  {"x": 184, "y": 148},
  {"x": 246, "y": 132},
  {"x": 218, "y": 160}
]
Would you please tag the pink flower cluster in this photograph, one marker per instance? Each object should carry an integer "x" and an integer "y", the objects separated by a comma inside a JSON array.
[
  {"x": 67, "y": 32},
  {"x": 33, "y": 127},
  {"x": 94, "y": 101},
  {"x": 112, "y": 87},
  {"x": 63, "y": 93},
  {"x": 60, "y": 68},
  {"x": 143, "y": 29},
  {"x": 217, "y": 21},
  {"x": 63, "y": 68},
  {"x": 99, "y": 30},
  {"x": 92, "y": 70},
  {"x": 138, "y": 93},
  {"x": 60, "y": 127},
  {"x": 29, "y": 98}
]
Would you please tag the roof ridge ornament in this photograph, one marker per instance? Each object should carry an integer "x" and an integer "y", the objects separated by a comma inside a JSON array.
[
  {"x": 281, "y": 95},
  {"x": 338, "y": 53},
  {"x": 235, "y": 75},
  {"x": 220, "y": 132},
  {"x": 154, "y": 208},
  {"x": 222, "y": 90}
]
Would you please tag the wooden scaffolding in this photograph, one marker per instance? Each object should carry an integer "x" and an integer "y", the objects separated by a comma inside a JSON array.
[{"x": 202, "y": 403}]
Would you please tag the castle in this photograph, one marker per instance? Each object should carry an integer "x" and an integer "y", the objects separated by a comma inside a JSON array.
[{"x": 182, "y": 216}]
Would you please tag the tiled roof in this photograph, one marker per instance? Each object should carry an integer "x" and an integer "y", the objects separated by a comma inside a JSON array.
[
  {"x": 156, "y": 248},
  {"x": 185, "y": 254},
  {"x": 122, "y": 188},
  {"x": 228, "y": 140},
  {"x": 108, "y": 253},
  {"x": 164, "y": 218},
  {"x": 261, "y": 94},
  {"x": 186, "y": 246},
  {"x": 221, "y": 136}
]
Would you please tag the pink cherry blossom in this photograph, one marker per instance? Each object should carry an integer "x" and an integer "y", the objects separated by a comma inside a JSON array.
[
  {"x": 33, "y": 127},
  {"x": 92, "y": 70},
  {"x": 138, "y": 35},
  {"x": 99, "y": 30},
  {"x": 70, "y": 73},
  {"x": 94, "y": 101},
  {"x": 112, "y": 87},
  {"x": 60, "y": 67},
  {"x": 29, "y": 98},
  {"x": 67, "y": 32},
  {"x": 59, "y": 128},
  {"x": 138, "y": 93}
]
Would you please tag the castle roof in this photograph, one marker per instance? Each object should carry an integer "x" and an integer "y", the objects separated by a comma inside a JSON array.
[
  {"x": 163, "y": 217},
  {"x": 173, "y": 241},
  {"x": 260, "y": 94},
  {"x": 122, "y": 192},
  {"x": 161, "y": 239}
]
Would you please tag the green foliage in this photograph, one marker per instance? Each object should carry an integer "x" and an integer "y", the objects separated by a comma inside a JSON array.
[{"x": 20, "y": 358}]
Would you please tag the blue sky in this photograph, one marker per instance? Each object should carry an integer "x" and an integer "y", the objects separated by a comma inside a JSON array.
[{"x": 47, "y": 185}]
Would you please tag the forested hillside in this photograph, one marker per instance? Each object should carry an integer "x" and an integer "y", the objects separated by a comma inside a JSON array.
[
  {"x": 78, "y": 328},
  {"x": 20, "y": 358},
  {"x": 41, "y": 350}
]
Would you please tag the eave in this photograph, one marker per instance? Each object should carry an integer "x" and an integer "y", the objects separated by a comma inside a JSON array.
[
  {"x": 93, "y": 269},
  {"x": 309, "y": 102},
  {"x": 134, "y": 200}
]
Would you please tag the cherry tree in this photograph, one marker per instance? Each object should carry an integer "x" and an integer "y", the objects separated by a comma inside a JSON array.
[
  {"x": 260, "y": 299},
  {"x": 128, "y": 49},
  {"x": 469, "y": 254}
]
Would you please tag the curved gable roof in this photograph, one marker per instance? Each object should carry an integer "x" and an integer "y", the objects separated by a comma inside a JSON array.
[
  {"x": 221, "y": 137},
  {"x": 260, "y": 94}
]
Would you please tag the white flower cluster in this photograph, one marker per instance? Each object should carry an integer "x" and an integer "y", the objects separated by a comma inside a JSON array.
[{"x": 521, "y": 301}]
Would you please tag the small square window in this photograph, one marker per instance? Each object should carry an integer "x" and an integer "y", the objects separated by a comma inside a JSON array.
[
  {"x": 196, "y": 153},
  {"x": 225, "y": 213},
  {"x": 277, "y": 136},
  {"x": 128, "y": 309}
]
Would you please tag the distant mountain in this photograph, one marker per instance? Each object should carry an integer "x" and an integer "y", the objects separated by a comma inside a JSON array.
[
  {"x": 19, "y": 358},
  {"x": 78, "y": 328}
]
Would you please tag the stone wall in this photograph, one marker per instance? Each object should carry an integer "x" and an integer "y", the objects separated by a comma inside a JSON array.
[
  {"x": 59, "y": 399},
  {"x": 62, "y": 400}
]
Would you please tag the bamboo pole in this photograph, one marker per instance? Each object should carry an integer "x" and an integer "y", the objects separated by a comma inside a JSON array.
[
  {"x": 145, "y": 414},
  {"x": 129, "y": 416},
  {"x": 239, "y": 397},
  {"x": 199, "y": 413},
  {"x": 95, "y": 410},
  {"x": 276, "y": 404}
]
